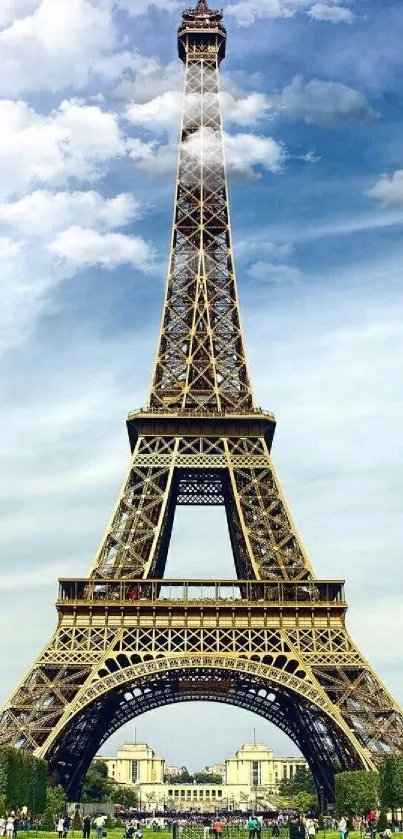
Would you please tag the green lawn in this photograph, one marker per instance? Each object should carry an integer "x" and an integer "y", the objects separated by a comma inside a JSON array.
[{"x": 117, "y": 833}]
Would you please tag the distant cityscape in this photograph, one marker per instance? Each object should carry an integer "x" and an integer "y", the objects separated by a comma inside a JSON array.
[{"x": 251, "y": 777}]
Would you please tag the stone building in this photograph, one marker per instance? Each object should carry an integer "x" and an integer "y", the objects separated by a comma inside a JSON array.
[{"x": 250, "y": 779}]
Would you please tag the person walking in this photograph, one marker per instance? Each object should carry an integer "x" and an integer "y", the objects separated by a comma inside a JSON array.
[
  {"x": 252, "y": 822},
  {"x": 342, "y": 826},
  {"x": 60, "y": 827},
  {"x": 217, "y": 828},
  {"x": 10, "y": 826},
  {"x": 86, "y": 827},
  {"x": 310, "y": 828},
  {"x": 99, "y": 826}
]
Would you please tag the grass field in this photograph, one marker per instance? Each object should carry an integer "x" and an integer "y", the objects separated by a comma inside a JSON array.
[{"x": 232, "y": 833}]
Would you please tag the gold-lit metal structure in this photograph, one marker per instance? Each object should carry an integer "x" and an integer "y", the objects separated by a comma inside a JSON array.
[{"x": 274, "y": 639}]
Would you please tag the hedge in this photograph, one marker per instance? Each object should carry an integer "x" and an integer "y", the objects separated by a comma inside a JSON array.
[{"x": 23, "y": 780}]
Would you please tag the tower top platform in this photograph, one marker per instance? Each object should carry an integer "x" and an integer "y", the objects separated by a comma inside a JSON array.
[{"x": 201, "y": 27}]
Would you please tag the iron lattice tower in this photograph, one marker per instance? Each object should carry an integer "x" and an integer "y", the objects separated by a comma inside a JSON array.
[{"x": 274, "y": 639}]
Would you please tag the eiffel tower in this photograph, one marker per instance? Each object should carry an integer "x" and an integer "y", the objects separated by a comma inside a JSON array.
[{"x": 273, "y": 640}]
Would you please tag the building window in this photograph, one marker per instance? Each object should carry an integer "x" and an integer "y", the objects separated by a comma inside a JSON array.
[
  {"x": 207, "y": 793},
  {"x": 201, "y": 793},
  {"x": 213, "y": 793},
  {"x": 170, "y": 792},
  {"x": 256, "y": 778},
  {"x": 285, "y": 771},
  {"x": 182, "y": 793},
  {"x": 176, "y": 793},
  {"x": 189, "y": 793},
  {"x": 135, "y": 771},
  {"x": 219, "y": 793}
]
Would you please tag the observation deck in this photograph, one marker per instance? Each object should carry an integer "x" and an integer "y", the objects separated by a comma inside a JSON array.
[
  {"x": 204, "y": 423},
  {"x": 200, "y": 27},
  {"x": 168, "y": 596}
]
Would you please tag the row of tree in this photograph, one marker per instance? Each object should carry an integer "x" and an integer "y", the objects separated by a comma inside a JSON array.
[
  {"x": 99, "y": 787},
  {"x": 299, "y": 790},
  {"x": 23, "y": 780},
  {"x": 197, "y": 778},
  {"x": 360, "y": 792}
]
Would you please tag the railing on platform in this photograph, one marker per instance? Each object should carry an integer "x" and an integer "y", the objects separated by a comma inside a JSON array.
[{"x": 202, "y": 591}]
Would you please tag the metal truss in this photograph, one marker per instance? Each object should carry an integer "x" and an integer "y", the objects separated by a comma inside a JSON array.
[
  {"x": 201, "y": 362},
  {"x": 274, "y": 639}
]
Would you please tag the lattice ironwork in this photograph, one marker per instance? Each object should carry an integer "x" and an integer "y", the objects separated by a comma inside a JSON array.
[{"x": 274, "y": 639}]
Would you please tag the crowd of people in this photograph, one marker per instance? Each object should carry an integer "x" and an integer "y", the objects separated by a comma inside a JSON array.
[{"x": 212, "y": 827}]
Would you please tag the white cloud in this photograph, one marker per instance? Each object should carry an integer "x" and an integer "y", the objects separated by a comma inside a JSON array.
[
  {"x": 76, "y": 140},
  {"x": 11, "y": 10},
  {"x": 151, "y": 80},
  {"x": 331, "y": 14},
  {"x": 245, "y": 152},
  {"x": 245, "y": 110},
  {"x": 43, "y": 212},
  {"x": 85, "y": 247},
  {"x": 389, "y": 190},
  {"x": 323, "y": 103},
  {"x": 270, "y": 272},
  {"x": 8, "y": 249},
  {"x": 257, "y": 244},
  {"x": 135, "y": 8},
  {"x": 160, "y": 114},
  {"x": 163, "y": 113},
  {"x": 45, "y": 246},
  {"x": 61, "y": 44},
  {"x": 247, "y": 12}
]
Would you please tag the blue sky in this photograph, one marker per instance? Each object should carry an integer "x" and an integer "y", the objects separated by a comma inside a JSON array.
[{"x": 90, "y": 102}]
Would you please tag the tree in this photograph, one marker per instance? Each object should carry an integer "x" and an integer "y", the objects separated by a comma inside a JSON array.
[
  {"x": 23, "y": 780},
  {"x": 382, "y": 822},
  {"x": 184, "y": 778},
  {"x": 48, "y": 820},
  {"x": 127, "y": 796},
  {"x": 96, "y": 785},
  {"x": 305, "y": 801},
  {"x": 207, "y": 778},
  {"x": 56, "y": 799},
  {"x": 300, "y": 790},
  {"x": 356, "y": 792},
  {"x": 391, "y": 782},
  {"x": 77, "y": 823}
]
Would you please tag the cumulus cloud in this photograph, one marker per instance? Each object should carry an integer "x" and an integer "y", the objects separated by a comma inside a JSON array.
[
  {"x": 389, "y": 189},
  {"x": 245, "y": 154},
  {"x": 247, "y": 12},
  {"x": 331, "y": 14},
  {"x": 11, "y": 10},
  {"x": 75, "y": 141},
  {"x": 323, "y": 103},
  {"x": 49, "y": 238},
  {"x": 270, "y": 272},
  {"x": 163, "y": 112},
  {"x": 159, "y": 114},
  {"x": 135, "y": 8},
  {"x": 59, "y": 45},
  {"x": 43, "y": 212},
  {"x": 85, "y": 247}
]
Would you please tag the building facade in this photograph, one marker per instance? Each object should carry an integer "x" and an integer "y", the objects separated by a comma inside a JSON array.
[
  {"x": 135, "y": 764},
  {"x": 250, "y": 780}
]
